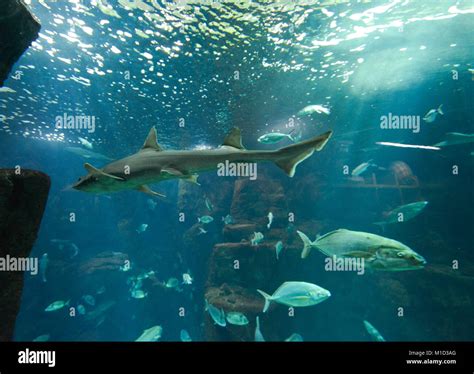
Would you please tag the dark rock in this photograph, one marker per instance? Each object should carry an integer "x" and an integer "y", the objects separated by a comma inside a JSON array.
[
  {"x": 253, "y": 200},
  {"x": 18, "y": 29},
  {"x": 22, "y": 201},
  {"x": 241, "y": 264},
  {"x": 237, "y": 232}
]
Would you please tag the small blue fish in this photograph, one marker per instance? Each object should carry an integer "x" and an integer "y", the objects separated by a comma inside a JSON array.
[
  {"x": 310, "y": 109},
  {"x": 278, "y": 248},
  {"x": 42, "y": 338},
  {"x": 294, "y": 338},
  {"x": 258, "y": 334},
  {"x": 217, "y": 315},
  {"x": 362, "y": 168},
  {"x": 187, "y": 279},
  {"x": 184, "y": 336},
  {"x": 138, "y": 294},
  {"x": 257, "y": 238},
  {"x": 172, "y": 283},
  {"x": 43, "y": 265},
  {"x": 151, "y": 204},
  {"x": 274, "y": 137},
  {"x": 270, "y": 220},
  {"x": 89, "y": 299},
  {"x": 57, "y": 305},
  {"x": 373, "y": 332},
  {"x": 142, "y": 228},
  {"x": 205, "y": 219},
  {"x": 237, "y": 318},
  {"x": 432, "y": 114},
  {"x": 209, "y": 205},
  {"x": 101, "y": 290},
  {"x": 228, "y": 220}
]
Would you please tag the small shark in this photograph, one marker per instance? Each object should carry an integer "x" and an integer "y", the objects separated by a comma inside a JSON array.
[{"x": 152, "y": 164}]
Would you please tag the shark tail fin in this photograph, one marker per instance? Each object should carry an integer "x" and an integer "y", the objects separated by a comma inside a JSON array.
[
  {"x": 267, "y": 300},
  {"x": 440, "y": 110},
  {"x": 289, "y": 157},
  {"x": 307, "y": 244}
]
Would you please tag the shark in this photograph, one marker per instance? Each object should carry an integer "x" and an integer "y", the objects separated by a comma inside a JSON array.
[{"x": 153, "y": 164}]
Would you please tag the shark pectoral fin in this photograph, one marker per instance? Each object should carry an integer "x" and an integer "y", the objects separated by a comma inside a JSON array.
[
  {"x": 234, "y": 139},
  {"x": 151, "y": 142},
  {"x": 147, "y": 190},
  {"x": 193, "y": 178},
  {"x": 174, "y": 172},
  {"x": 93, "y": 170}
]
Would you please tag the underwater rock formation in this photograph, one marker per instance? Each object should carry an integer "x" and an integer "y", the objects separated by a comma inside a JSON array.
[
  {"x": 236, "y": 267},
  {"x": 253, "y": 200},
  {"x": 105, "y": 261},
  {"x": 22, "y": 201},
  {"x": 18, "y": 29}
]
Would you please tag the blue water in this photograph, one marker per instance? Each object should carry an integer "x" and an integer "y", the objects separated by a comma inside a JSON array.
[{"x": 194, "y": 78}]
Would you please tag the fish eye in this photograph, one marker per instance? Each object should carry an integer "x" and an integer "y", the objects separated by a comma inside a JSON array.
[{"x": 400, "y": 254}]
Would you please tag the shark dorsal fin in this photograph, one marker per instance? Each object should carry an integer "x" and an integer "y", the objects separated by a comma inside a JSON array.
[
  {"x": 150, "y": 142},
  {"x": 94, "y": 171},
  {"x": 234, "y": 139}
]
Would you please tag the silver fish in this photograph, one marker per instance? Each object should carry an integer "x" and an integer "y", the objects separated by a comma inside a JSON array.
[
  {"x": 87, "y": 153},
  {"x": 258, "y": 334},
  {"x": 257, "y": 238},
  {"x": 86, "y": 143},
  {"x": 373, "y": 332},
  {"x": 205, "y": 219},
  {"x": 455, "y": 138},
  {"x": 228, "y": 220},
  {"x": 41, "y": 338},
  {"x": 89, "y": 299},
  {"x": 218, "y": 315},
  {"x": 362, "y": 168},
  {"x": 403, "y": 213},
  {"x": 209, "y": 205},
  {"x": 138, "y": 294},
  {"x": 172, "y": 283},
  {"x": 274, "y": 137},
  {"x": 310, "y": 109},
  {"x": 379, "y": 253},
  {"x": 184, "y": 336},
  {"x": 57, "y": 305},
  {"x": 294, "y": 338},
  {"x": 432, "y": 114},
  {"x": 278, "y": 248},
  {"x": 296, "y": 294},
  {"x": 152, "y": 334},
  {"x": 270, "y": 220},
  {"x": 237, "y": 318},
  {"x": 43, "y": 266}
]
